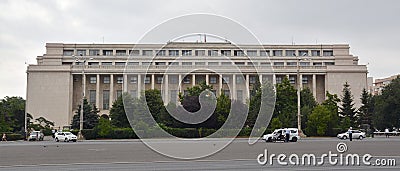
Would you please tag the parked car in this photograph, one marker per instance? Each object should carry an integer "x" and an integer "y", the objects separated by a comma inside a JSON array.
[
  {"x": 279, "y": 135},
  {"x": 65, "y": 136},
  {"x": 356, "y": 134},
  {"x": 36, "y": 136}
]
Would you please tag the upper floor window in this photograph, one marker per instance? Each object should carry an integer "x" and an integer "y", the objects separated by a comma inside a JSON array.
[
  {"x": 291, "y": 63},
  {"x": 81, "y": 52},
  {"x": 277, "y": 53},
  {"x": 120, "y": 52},
  {"x": 305, "y": 80},
  {"x": 264, "y": 52},
  {"x": 146, "y": 63},
  {"x": 328, "y": 53},
  {"x": 200, "y": 53},
  {"x": 106, "y": 80},
  {"x": 186, "y": 63},
  {"x": 174, "y": 63},
  {"x": 147, "y": 80},
  {"x": 226, "y": 52},
  {"x": 212, "y": 63},
  {"x": 240, "y": 63},
  {"x": 120, "y": 80},
  {"x": 173, "y": 52},
  {"x": 107, "y": 52},
  {"x": 226, "y": 63},
  {"x": 292, "y": 80},
  {"x": 290, "y": 53},
  {"x": 120, "y": 63},
  {"x": 94, "y": 52},
  {"x": 147, "y": 52},
  {"x": 93, "y": 80},
  {"x": 329, "y": 63},
  {"x": 161, "y": 53},
  {"x": 186, "y": 80},
  {"x": 238, "y": 53},
  {"x": 133, "y": 80},
  {"x": 186, "y": 52},
  {"x": 213, "y": 79},
  {"x": 253, "y": 79},
  {"x": 173, "y": 79},
  {"x": 317, "y": 63},
  {"x": 159, "y": 79},
  {"x": 279, "y": 63},
  {"x": 225, "y": 79},
  {"x": 315, "y": 53},
  {"x": 133, "y": 63},
  {"x": 303, "y": 52},
  {"x": 106, "y": 63},
  {"x": 251, "y": 53},
  {"x": 68, "y": 52},
  {"x": 199, "y": 63},
  {"x": 134, "y": 52},
  {"x": 213, "y": 53},
  {"x": 304, "y": 63}
]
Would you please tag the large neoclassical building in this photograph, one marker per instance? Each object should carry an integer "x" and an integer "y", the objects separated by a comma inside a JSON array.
[{"x": 102, "y": 72}]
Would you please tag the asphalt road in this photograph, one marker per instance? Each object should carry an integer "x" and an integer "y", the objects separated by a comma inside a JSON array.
[{"x": 134, "y": 155}]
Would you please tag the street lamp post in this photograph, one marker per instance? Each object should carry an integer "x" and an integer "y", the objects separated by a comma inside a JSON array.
[{"x": 299, "y": 82}]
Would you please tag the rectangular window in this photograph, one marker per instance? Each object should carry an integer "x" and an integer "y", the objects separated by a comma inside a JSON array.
[
  {"x": 238, "y": 53},
  {"x": 147, "y": 52},
  {"x": 277, "y": 53},
  {"x": 251, "y": 53},
  {"x": 93, "y": 63},
  {"x": 317, "y": 63},
  {"x": 303, "y": 52},
  {"x": 225, "y": 79},
  {"x": 174, "y": 63},
  {"x": 186, "y": 80},
  {"x": 239, "y": 79},
  {"x": 68, "y": 52},
  {"x": 106, "y": 80},
  {"x": 133, "y": 93},
  {"x": 107, "y": 52},
  {"x": 265, "y": 63},
  {"x": 106, "y": 63},
  {"x": 92, "y": 96},
  {"x": 226, "y": 52},
  {"x": 120, "y": 63},
  {"x": 94, "y": 52},
  {"x": 81, "y": 52},
  {"x": 290, "y": 53},
  {"x": 304, "y": 63},
  {"x": 106, "y": 99},
  {"x": 291, "y": 63},
  {"x": 161, "y": 53},
  {"x": 174, "y": 95},
  {"x": 120, "y": 80},
  {"x": 200, "y": 53},
  {"x": 227, "y": 93},
  {"x": 212, "y": 52},
  {"x": 328, "y": 53},
  {"x": 252, "y": 79},
  {"x": 239, "y": 94},
  {"x": 146, "y": 63},
  {"x": 315, "y": 53},
  {"x": 329, "y": 63},
  {"x": 133, "y": 80},
  {"x": 173, "y": 79},
  {"x": 120, "y": 52},
  {"x": 226, "y": 63},
  {"x": 264, "y": 52},
  {"x": 186, "y": 63},
  {"x": 186, "y": 52},
  {"x": 147, "y": 80},
  {"x": 279, "y": 63},
  {"x": 199, "y": 63},
  {"x": 134, "y": 52},
  {"x": 159, "y": 80},
  {"x": 278, "y": 80},
  {"x": 240, "y": 63},
  {"x": 292, "y": 80},
  {"x": 119, "y": 93},
  {"x": 212, "y": 63},
  {"x": 93, "y": 80},
  {"x": 133, "y": 63},
  {"x": 160, "y": 63},
  {"x": 173, "y": 52},
  {"x": 213, "y": 80},
  {"x": 305, "y": 80}
]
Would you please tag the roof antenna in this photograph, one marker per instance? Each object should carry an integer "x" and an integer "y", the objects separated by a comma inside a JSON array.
[
  {"x": 205, "y": 38},
  {"x": 293, "y": 41}
]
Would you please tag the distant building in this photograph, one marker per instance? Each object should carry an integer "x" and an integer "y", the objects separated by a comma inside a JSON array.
[
  {"x": 379, "y": 84},
  {"x": 55, "y": 83}
]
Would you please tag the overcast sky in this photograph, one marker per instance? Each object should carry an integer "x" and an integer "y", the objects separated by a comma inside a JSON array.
[{"x": 370, "y": 27}]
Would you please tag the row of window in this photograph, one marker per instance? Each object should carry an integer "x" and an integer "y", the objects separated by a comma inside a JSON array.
[
  {"x": 210, "y": 63},
  {"x": 97, "y": 52}
]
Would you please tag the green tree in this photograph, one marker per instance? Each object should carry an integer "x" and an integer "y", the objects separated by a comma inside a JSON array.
[
  {"x": 366, "y": 110},
  {"x": 155, "y": 103},
  {"x": 104, "y": 128},
  {"x": 308, "y": 103},
  {"x": 318, "y": 121},
  {"x": 254, "y": 105},
  {"x": 286, "y": 104},
  {"x": 12, "y": 114},
  {"x": 90, "y": 116},
  {"x": 117, "y": 112},
  {"x": 387, "y": 106},
  {"x": 223, "y": 108},
  {"x": 347, "y": 109}
]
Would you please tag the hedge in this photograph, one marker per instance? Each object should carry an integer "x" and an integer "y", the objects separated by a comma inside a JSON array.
[{"x": 14, "y": 137}]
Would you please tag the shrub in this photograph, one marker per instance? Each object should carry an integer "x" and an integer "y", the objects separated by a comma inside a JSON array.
[
  {"x": 89, "y": 134},
  {"x": 13, "y": 137}
]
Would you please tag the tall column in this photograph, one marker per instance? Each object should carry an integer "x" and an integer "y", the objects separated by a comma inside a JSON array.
[
  {"x": 125, "y": 88},
  {"x": 260, "y": 78},
  {"x": 139, "y": 85},
  {"x": 180, "y": 83},
  {"x": 152, "y": 81},
  {"x": 314, "y": 86},
  {"x": 98, "y": 91},
  {"x": 234, "y": 87},
  {"x": 300, "y": 79},
  {"x": 166, "y": 99},
  {"x": 207, "y": 79},
  {"x": 111, "y": 90},
  {"x": 193, "y": 79},
  {"x": 248, "y": 85},
  {"x": 274, "y": 79},
  {"x": 220, "y": 84}
]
